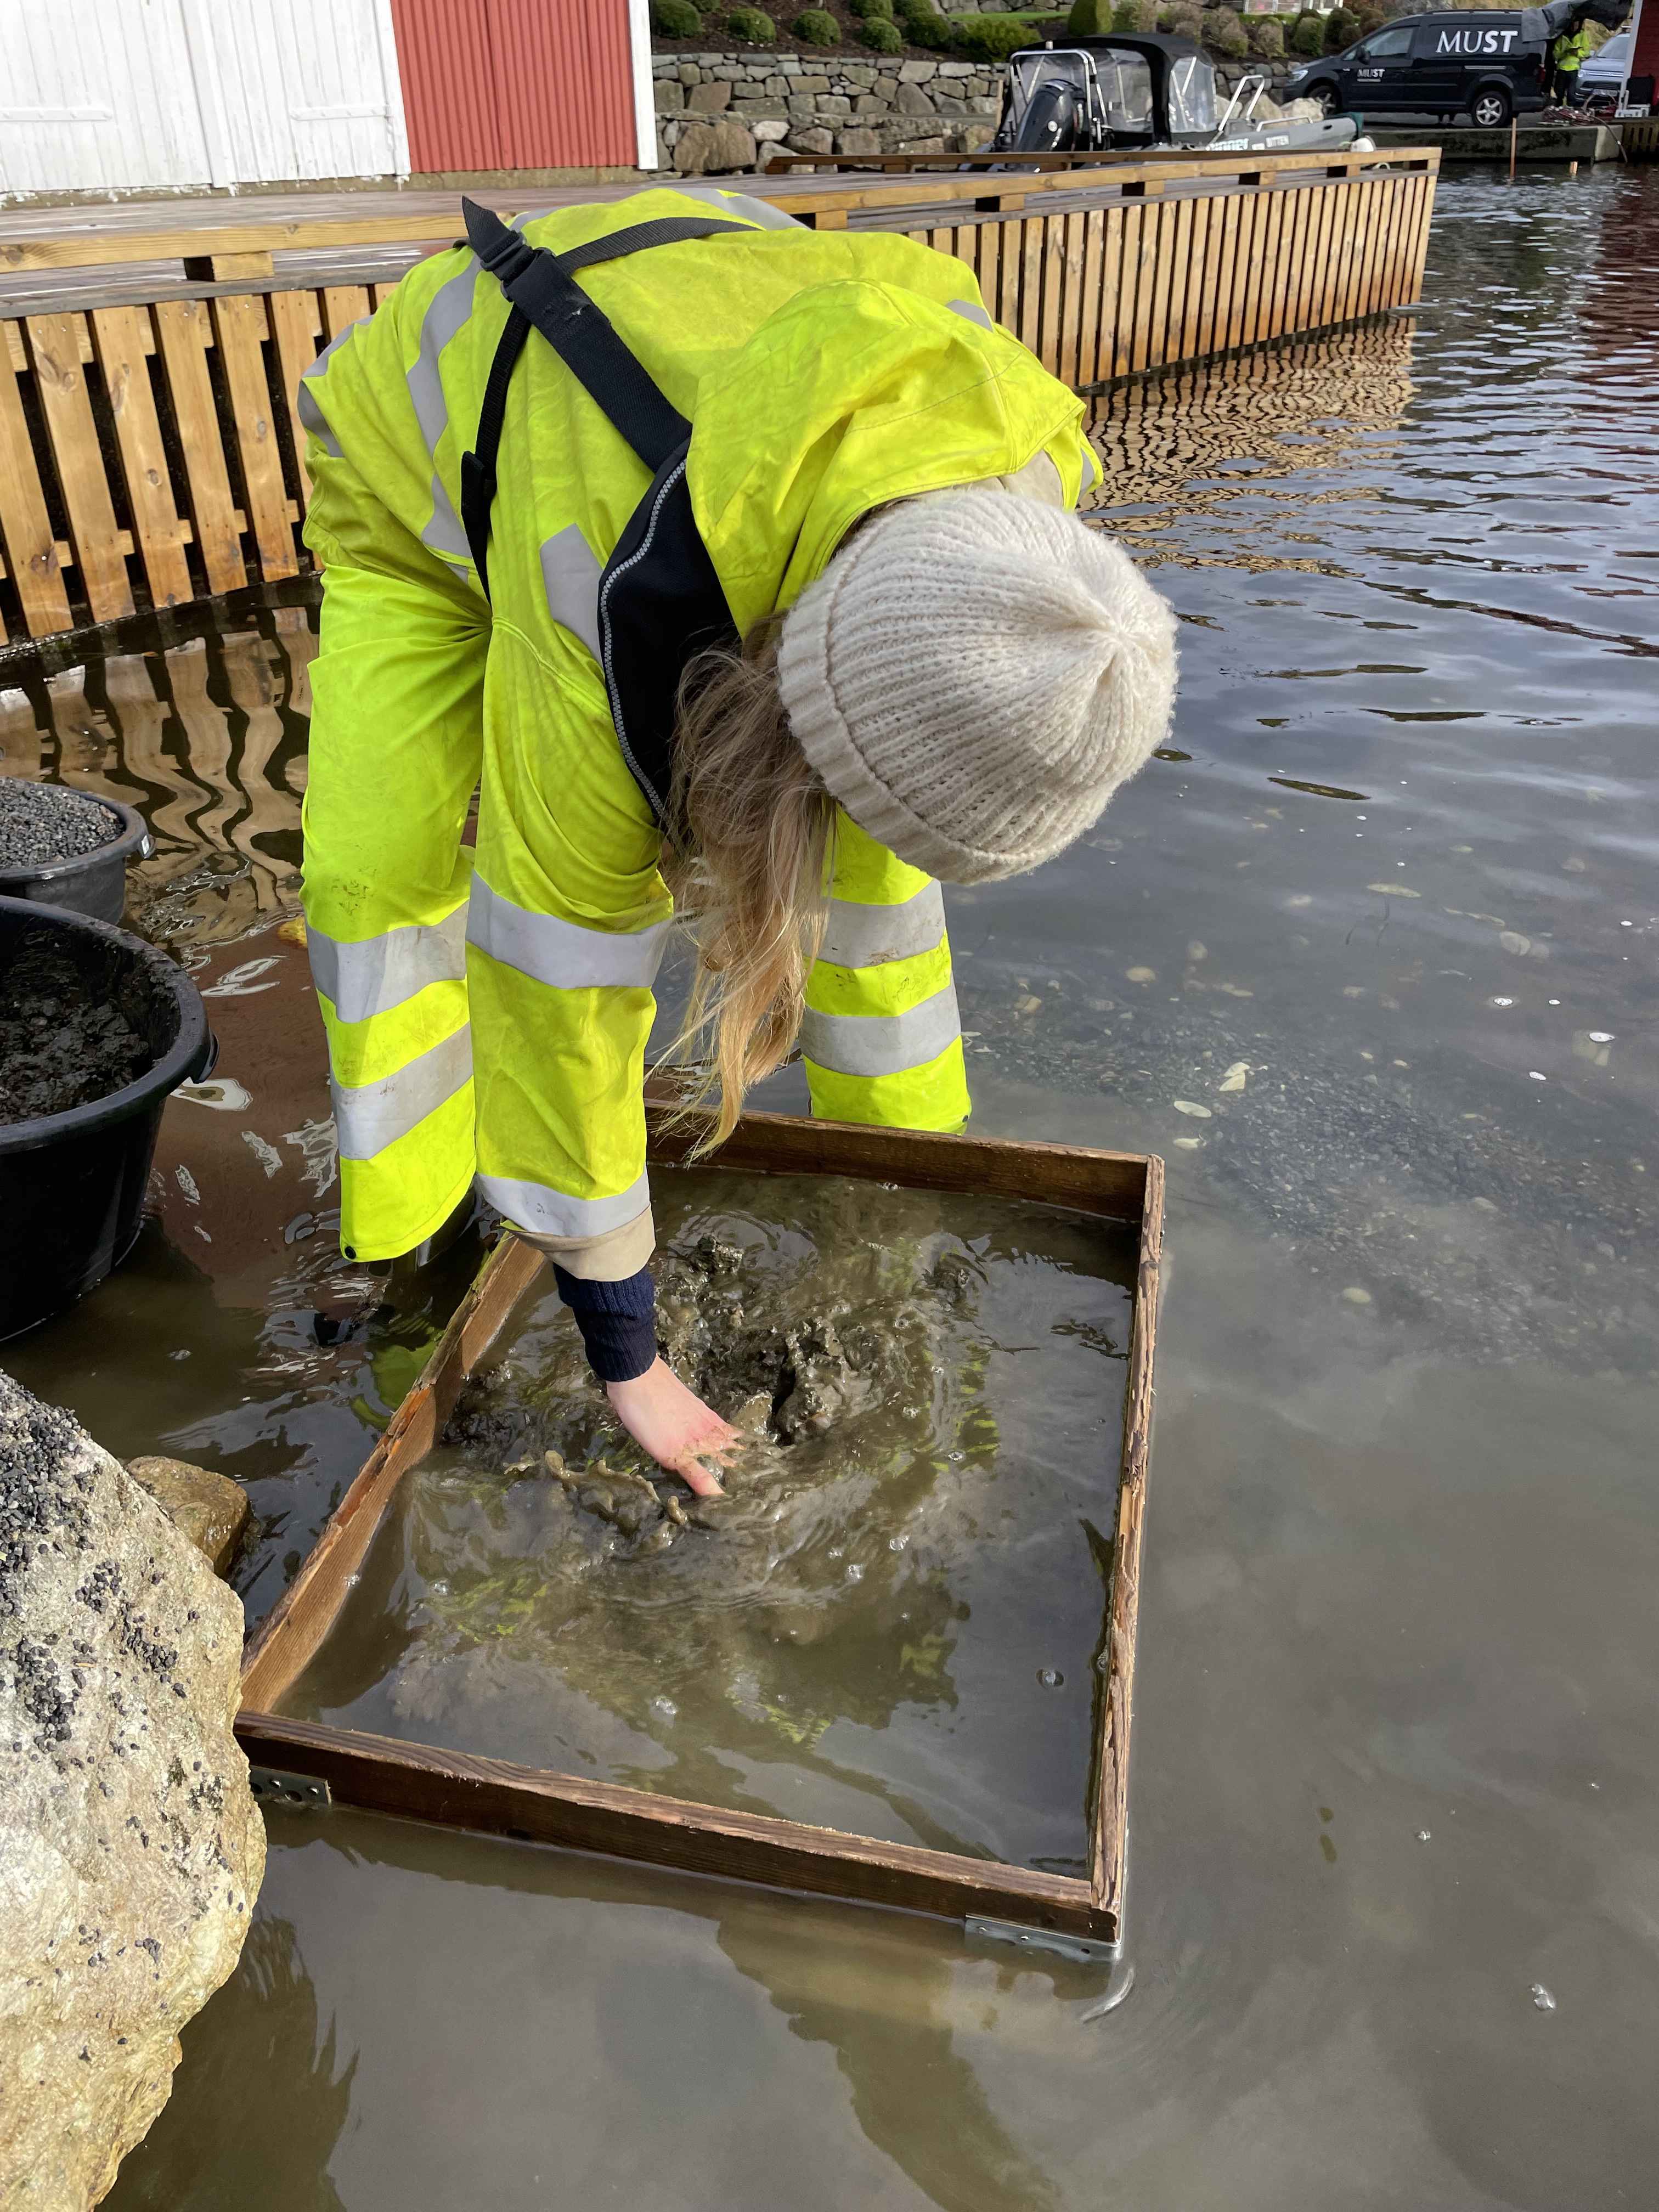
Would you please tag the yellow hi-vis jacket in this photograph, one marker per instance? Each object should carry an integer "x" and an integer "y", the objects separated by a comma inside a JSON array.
[
  {"x": 487, "y": 1012},
  {"x": 1573, "y": 49}
]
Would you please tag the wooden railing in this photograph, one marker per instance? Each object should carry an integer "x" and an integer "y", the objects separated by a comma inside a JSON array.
[{"x": 151, "y": 453}]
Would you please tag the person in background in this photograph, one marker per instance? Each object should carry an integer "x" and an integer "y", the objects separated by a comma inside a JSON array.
[
  {"x": 927, "y": 669},
  {"x": 1567, "y": 58}
]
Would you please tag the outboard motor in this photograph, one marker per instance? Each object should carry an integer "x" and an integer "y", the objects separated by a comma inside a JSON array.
[{"x": 1051, "y": 123}]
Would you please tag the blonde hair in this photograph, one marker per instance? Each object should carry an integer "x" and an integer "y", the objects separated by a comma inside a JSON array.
[{"x": 749, "y": 866}]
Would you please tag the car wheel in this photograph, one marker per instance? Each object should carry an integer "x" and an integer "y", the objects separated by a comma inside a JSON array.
[
  {"x": 1329, "y": 99},
  {"x": 1490, "y": 110}
]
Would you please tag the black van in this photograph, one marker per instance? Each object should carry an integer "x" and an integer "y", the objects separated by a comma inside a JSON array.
[{"x": 1478, "y": 63}]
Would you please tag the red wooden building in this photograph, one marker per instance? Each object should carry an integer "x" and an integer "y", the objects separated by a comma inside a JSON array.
[{"x": 526, "y": 84}]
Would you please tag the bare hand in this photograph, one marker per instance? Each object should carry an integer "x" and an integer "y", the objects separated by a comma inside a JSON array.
[{"x": 673, "y": 1424}]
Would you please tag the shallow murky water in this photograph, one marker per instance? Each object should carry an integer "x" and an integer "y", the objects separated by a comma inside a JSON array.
[
  {"x": 1397, "y": 1686},
  {"x": 892, "y": 1624}
]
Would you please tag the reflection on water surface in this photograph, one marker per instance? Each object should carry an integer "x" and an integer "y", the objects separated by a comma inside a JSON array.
[{"x": 1370, "y": 958}]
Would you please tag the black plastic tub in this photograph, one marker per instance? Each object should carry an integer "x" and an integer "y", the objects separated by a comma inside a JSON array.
[
  {"x": 72, "y": 1184},
  {"x": 93, "y": 882}
]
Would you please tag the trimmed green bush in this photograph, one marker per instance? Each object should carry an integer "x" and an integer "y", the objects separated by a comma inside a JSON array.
[
  {"x": 751, "y": 26},
  {"x": 1341, "y": 29},
  {"x": 882, "y": 35},
  {"x": 1133, "y": 16},
  {"x": 867, "y": 9},
  {"x": 1266, "y": 38},
  {"x": 1309, "y": 36},
  {"x": 1186, "y": 22},
  {"x": 991, "y": 38},
  {"x": 1090, "y": 18},
  {"x": 675, "y": 19},
  {"x": 1223, "y": 33},
  {"x": 817, "y": 26},
  {"x": 926, "y": 30}
]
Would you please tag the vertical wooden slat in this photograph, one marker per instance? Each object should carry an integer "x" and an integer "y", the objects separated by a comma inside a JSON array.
[
  {"x": 184, "y": 328},
  {"x": 239, "y": 322},
  {"x": 1197, "y": 278},
  {"x": 988, "y": 244},
  {"x": 1088, "y": 343},
  {"x": 1296, "y": 296},
  {"x": 31, "y": 548},
  {"x": 1176, "y": 246},
  {"x": 1392, "y": 260},
  {"x": 1339, "y": 247},
  {"x": 55, "y": 343},
  {"x": 1261, "y": 209},
  {"x": 1236, "y": 219},
  {"x": 1031, "y": 228},
  {"x": 296, "y": 327},
  {"x": 1051, "y": 313},
  {"x": 1209, "y": 304},
  {"x": 123, "y": 340},
  {"x": 1368, "y": 243},
  {"x": 343, "y": 305},
  {"x": 1161, "y": 222},
  {"x": 1137, "y": 289},
  {"x": 1324, "y": 239},
  {"x": 1269, "y": 315},
  {"x": 1118, "y": 308},
  {"x": 1420, "y": 246},
  {"x": 1070, "y": 327}
]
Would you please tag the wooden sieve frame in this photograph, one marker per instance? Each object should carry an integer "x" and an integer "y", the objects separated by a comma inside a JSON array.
[{"x": 493, "y": 1796}]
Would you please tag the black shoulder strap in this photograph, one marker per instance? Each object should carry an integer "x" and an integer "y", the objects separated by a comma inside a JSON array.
[{"x": 544, "y": 294}]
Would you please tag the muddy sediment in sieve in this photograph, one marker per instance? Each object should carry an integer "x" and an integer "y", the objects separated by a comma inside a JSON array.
[
  {"x": 62, "y": 1044},
  {"x": 892, "y": 1624}
]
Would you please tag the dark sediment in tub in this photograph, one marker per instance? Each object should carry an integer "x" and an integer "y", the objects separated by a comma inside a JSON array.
[{"x": 61, "y": 1046}]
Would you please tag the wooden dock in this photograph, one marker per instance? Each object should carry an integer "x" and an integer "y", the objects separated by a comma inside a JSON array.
[{"x": 151, "y": 454}]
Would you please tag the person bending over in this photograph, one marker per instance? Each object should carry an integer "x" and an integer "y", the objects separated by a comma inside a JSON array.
[{"x": 733, "y": 569}]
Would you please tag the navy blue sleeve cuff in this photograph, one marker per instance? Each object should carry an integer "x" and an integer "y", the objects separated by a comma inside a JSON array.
[{"x": 617, "y": 1321}]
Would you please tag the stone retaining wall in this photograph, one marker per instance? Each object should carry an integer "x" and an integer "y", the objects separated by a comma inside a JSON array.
[{"x": 721, "y": 111}]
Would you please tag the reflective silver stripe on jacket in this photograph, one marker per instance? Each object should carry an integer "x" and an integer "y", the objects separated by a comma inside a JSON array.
[
  {"x": 863, "y": 936},
  {"x": 882, "y": 1044},
  {"x": 550, "y": 1212},
  {"x": 305, "y": 403},
  {"x": 450, "y": 310},
  {"x": 375, "y": 1115},
  {"x": 742, "y": 204},
  {"x": 562, "y": 953},
  {"x": 570, "y": 575},
  {"x": 378, "y": 973},
  {"x": 971, "y": 312}
]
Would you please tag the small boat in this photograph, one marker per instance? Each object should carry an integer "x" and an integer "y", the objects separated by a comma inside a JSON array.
[{"x": 1131, "y": 94}]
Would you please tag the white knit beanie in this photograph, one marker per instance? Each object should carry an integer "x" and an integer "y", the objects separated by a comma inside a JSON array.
[{"x": 974, "y": 675}]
